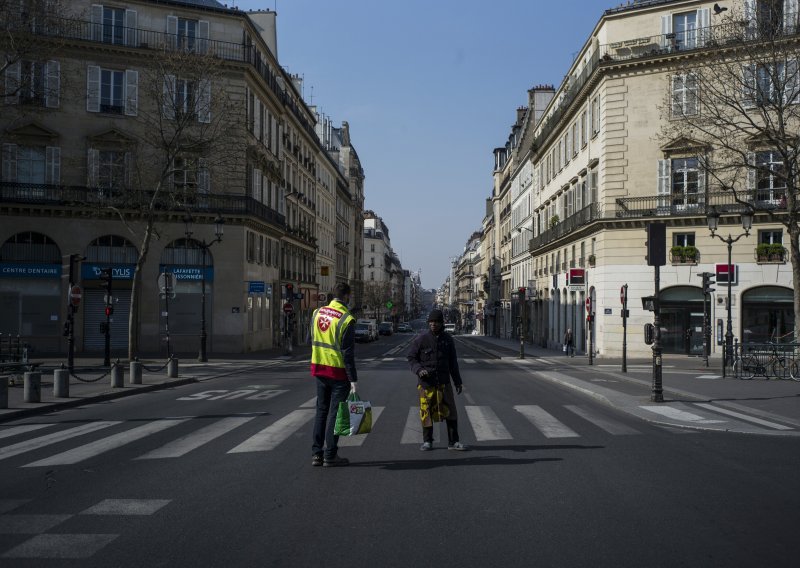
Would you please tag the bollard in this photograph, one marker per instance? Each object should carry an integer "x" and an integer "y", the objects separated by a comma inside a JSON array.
[
  {"x": 32, "y": 391},
  {"x": 3, "y": 392},
  {"x": 136, "y": 373},
  {"x": 172, "y": 368},
  {"x": 61, "y": 383},
  {"x": 117, "y": 376}
]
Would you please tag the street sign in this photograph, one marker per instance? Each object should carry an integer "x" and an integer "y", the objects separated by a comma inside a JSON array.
[
  {"x": 622, "y": 295},
  {"x": 75, "y": 295},
  {"x": 389, "y": 305},
  {"x": 288, "y": 308}
]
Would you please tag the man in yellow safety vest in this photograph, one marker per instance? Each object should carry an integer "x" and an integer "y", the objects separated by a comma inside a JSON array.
[{"x": 333, "y": 363}]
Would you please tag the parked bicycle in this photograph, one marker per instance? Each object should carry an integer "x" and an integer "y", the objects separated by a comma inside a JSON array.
[{"x": 768, "y": 360}]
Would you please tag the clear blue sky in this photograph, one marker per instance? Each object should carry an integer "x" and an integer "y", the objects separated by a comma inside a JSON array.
[{"x": 430, "y": 88}]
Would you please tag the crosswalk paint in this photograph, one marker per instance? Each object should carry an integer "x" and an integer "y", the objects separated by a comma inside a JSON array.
[
  {"x": 469, "y": 361},
  {"x": 547, "y": 424},
  {"x": 412, "y": 431},
  {"x": 486, "y": 424},
  {"x": 186, "y": 444},
  {"x": 14, "y": 430},
  {"x": 54, "y": 438},
  {"x": 103, "y": 445},
  {"x": 682, "y": 415},
  {"x": 274, "y": 434},
  {"x": 349, "y": 441},
  {"x": 745, "y": 417},
  {"x": 610, "y": 426},
  {"x": 310, "y": 403}
]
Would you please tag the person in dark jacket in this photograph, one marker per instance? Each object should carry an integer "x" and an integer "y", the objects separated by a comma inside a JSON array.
[{"x": 432, "y": 357}]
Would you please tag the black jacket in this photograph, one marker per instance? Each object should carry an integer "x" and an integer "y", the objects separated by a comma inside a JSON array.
[{"x": 437, "y": 355}]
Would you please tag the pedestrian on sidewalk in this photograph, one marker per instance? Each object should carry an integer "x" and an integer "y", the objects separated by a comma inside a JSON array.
[
  {"x": 433, "y": 359},
  {"x": 569, "y": 343},
  {"x": 333, "y": 363}
]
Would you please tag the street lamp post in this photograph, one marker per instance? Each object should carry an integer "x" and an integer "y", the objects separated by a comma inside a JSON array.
[
  {"x": 713, "y": 225},
  {"x": 204, "y": 246}
]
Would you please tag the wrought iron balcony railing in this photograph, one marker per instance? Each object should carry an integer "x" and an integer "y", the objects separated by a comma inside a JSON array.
[
  {"x": 695, "y": 205},
  {"x": 584, "y": 216},
  {"x": 169, "y": 201}
]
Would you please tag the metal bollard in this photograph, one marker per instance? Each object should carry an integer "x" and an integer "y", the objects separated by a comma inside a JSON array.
[
  {"x": 32, "y": 390},
  {"x": 172, "y": 368},
  {"x": 61, "y": 383},
  {"x": 117, "y": 376},
  {"x": 3, "y": 392},
  {"x": 136, "y": 373}
]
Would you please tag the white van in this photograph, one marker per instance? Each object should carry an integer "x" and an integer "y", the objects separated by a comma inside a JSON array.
[{"x": 450, "y": 328}]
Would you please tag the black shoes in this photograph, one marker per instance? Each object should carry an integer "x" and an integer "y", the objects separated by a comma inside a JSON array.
[{"x": 335, "y": 462}]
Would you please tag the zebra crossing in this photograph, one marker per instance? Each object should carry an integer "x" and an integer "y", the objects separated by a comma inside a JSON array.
[{"x": 477, "y": 423}]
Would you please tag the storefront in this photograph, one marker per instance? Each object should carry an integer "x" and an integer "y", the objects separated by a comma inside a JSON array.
[
  {"x": 682, "y": 320},
  {"x": 94, "y": 306},
  {"x": 767, "y": 314}
]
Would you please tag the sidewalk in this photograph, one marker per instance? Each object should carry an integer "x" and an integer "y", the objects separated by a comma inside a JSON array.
[
  {"x": 96, "y": 383},
  {"x": 688, "y": 386}
]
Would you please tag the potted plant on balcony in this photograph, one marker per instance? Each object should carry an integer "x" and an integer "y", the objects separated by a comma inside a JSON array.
[
  {"x": 762, "y": 252},
  {"x": 776, "y": 252},
  {"x": 553, "y": 221}
]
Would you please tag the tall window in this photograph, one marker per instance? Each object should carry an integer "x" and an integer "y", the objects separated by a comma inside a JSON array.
[
  {"x": 684, "y": 26},
  {"x": 31, "y": 164},
  {"x": 113, "y": 25},
  {"x": 185, "y": 96},
  {"x": 111, "y": 169},
  {"x": 770, "y": 177},
  {"x": 112, "y": 85},
  {"x": 683, "y": 239},
  {"x": 684, "y": 95},
  {"x": 686, "y": 182},
  {"x": 770, "y": 237},
  {"x": 187, "y": 33}
]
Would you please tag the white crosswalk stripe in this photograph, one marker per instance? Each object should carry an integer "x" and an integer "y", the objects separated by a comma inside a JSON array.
[
  {"x": 275, "y": 433},
  {"x": 54, "y": 438},
  {"x": 547, "y": 424},
  {"x": 186, "y": 444},
  {"x": 486, "y": 424},
  {"x": 105, "y": 444},
  {"x": 14, "y": 430},
  {"x": 610, "y": 426}
]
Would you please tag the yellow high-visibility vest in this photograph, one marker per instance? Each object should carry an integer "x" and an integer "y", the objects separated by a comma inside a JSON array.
[{"x": 329, "y": 325}]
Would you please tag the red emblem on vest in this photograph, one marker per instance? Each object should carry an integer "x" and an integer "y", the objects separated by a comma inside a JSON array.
[{"x": 323, "y": 322}]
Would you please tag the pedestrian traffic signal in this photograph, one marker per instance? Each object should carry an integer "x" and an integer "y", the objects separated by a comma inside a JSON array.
[
  {"x": 109, "y": 310},
  {"x": 708, "y": 282},
  {"x": 521, "y": 291},
  {"x": 290, "y": 291}
]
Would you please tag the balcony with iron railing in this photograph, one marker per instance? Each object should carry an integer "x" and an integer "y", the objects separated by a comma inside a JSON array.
[
  {"x": 583, "y": 217},
  {"x": 82, "y": 198},
  {"x": 698, "y": 204},
  {"x": 155, "y": 42}
]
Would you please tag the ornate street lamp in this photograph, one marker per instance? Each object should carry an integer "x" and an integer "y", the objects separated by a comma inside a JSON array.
[
  {"x": 219, "y": 223},
  {"x": 713, "y": 225}
]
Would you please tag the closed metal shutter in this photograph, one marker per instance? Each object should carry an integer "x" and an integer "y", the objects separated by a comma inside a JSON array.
[{"x": 94, "y": 313}]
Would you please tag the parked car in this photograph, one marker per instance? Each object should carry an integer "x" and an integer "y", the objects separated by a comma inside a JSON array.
[
  {"x": 363, "y": 332},
  {"x": 404, "y": 328},
  {"x": 450, "y": 328},
  {"x": 385, "y": 328}
]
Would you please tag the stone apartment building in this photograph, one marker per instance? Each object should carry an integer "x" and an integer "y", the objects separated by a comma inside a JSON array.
[
  {"x": 173, "y": 118},
  {"x": 607, "y": 156}
]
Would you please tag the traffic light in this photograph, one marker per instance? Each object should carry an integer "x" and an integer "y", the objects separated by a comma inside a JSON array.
[
  {"x": 588, "y": 306},
  {"x": 656, "y": 244},
  {"x": 107, "y": 276},
  {"x": 708, "y": 282},
  {"x": 109, "y": 311},
  {"x": 290, "y": 291},
  {"x": 521, "y": 292}
]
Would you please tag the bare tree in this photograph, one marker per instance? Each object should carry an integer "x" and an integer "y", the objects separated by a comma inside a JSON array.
[
  {"x": 375, "y": 295},
  {"x": 738, "y": 104},
  {"x": 190, "y": 132}
]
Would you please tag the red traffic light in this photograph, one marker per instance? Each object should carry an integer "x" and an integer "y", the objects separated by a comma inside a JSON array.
[
  {"x": 290, "y": 286},
  {"x": 588, "y": 306},
  {"x": 109, "y": 310},
  {"x": 521, "y": 291}
]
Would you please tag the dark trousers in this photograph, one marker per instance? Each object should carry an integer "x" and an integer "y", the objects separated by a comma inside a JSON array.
[
  {"x": 452, "y": 432},
  {"x": 330, "y": 393}
]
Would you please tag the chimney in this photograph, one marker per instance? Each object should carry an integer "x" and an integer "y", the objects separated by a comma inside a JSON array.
[{"x": 266, "y": 24}]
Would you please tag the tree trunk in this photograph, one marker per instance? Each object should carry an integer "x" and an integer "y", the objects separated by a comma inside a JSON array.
[{"x": 133, "y": 322}]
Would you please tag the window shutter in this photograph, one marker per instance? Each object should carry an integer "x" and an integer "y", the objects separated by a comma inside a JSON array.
[
  {"x": 52, "y": 174},
  {"x": 789, "y": 16},
  {"x": 168, "y": 102},
  {"x": 12, "y": 83},
  {"x": 256, "y": 117},
  {"x": 10, "y": 162},
  {"x": 751, "y": 174},
  {"x": 677, "y": 95},
  {"x": 691, "y": 96},
  {"x": 664, "y": 175},
  {"x": 204, "y": 101},
  {"x": 130, "y": 28},
  {"x": 97, "y": 22},
  {"x": 203, "y": 177},
  {"x": 254, "y": 183},
  {"x": 172, "y": 31},
  {"x": 202, "y": 36},
  {"x": 666, "y": 28},
  {"x": 703, "y": 17},
  {"x": 93, "y": 88},
  {"x": 131, "y": 92},
  {"x": 128, "y": 165},
  {"x": 52, "y": 84},
  {"x": 702, "y": 177},
  {"x": 93, "y": 167}
]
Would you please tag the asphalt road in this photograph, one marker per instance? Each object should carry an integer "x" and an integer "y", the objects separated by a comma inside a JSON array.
[{"x": 218, "y": 473}]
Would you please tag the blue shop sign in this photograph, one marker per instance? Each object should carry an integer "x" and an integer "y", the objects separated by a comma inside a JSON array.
[
  {"x": 29, "y": 270},
  {"x": 256, "y": 287},
  {"x": 188, "y": 273},
  {"x": 91, "y": 271}
]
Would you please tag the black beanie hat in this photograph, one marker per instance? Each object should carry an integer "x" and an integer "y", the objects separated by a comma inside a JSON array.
[{"x": 436, "y": 315}]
